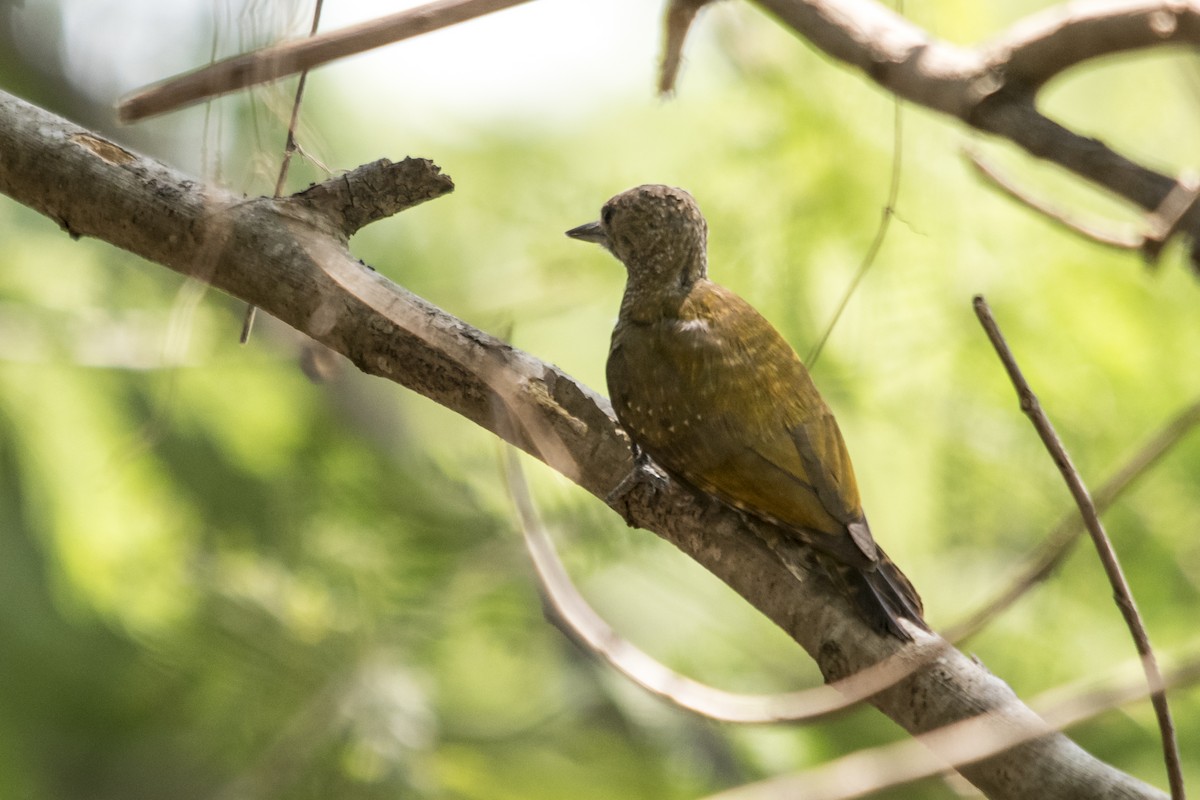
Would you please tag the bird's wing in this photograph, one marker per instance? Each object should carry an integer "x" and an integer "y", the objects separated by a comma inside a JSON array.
[
  {"x": 783, "y": 494},
  {"x": 720, "y": 399},
  {"x": 826, "y": 462},
  {"x": 770, "y": 444}
]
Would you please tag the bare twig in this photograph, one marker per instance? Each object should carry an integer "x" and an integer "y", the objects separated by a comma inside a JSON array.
[
  {"x": 869, "y": 771},
  {"x": 1088, "y": 230},
  {"x": 1165, "y": 221},
  {"x": 273, "y": 63},
  {"x": 1108, "y": 557},
  {"x": 1052, "y": 552},
  {"x": 885, "y": 221},
  {"x": 679, "y": 18},
  {"x": 289, "y": 147},
  {"x": 575, "y": 617}
]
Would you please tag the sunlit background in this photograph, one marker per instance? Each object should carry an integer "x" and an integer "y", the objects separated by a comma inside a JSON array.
[{"x": 219, "y": 579}]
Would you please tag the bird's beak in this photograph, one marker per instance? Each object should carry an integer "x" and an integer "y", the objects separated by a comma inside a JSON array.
[{"x": 589, "y": 232}]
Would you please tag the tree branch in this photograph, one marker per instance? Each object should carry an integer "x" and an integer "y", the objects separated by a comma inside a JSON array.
[
  {"x": 1122, "y": 593},
  {"x": 1089, "y": 230},
  {"x": 568, "y": 611},
  {"x": 867, "y": 771},
  {"x": 993, "y": 87},
  {"x": 289, "y": 257},
  {"x": 288, "y": 58}
]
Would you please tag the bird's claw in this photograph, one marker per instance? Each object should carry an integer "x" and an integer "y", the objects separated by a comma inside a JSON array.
[{"x": 644, "y": 473}]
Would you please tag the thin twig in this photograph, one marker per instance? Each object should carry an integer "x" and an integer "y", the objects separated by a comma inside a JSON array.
[
  {"x": 1108, "y": 557},
  {"x": 1163, "y": 223},
  {"x": 289, "y": 148},
  {"x": 1067, "y": 220},
  {"x": 885, "y": 221},
  {"x": 572, "y": 614},
  {"x": 273, "y": 63},
  {"x": 679, "y": 18},
  {"x": 1062, "y": 537}
]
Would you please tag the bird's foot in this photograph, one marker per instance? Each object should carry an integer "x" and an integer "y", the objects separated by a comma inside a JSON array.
[{"x": 644, "y": 473}]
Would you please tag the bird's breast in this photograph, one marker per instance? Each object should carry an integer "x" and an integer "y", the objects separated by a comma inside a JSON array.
[
  {"x": 717, "y": 397},
  {"x": 667, "y": 389}
]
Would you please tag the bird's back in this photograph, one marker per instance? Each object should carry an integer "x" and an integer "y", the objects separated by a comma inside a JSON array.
[{"x": 716, "y": 396}]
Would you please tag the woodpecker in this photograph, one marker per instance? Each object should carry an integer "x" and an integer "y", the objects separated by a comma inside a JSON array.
[{"x": 706, "y": 387}]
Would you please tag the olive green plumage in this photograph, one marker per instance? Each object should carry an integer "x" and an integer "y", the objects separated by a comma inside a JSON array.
[{"x": 706, "y": 387}]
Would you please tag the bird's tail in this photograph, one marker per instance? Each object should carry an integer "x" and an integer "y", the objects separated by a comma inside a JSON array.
[
  {"x": 881, "y": 591},
  {"x": 884, "y": 595}
]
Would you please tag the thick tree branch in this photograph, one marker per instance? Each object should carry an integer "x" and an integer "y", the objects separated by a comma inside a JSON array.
[
  {"x": 289, "y": 257},
  {"x": 570, "y": 612},
  {"x": 994, "y": 87},
  {"x": 862, "y": 773}
]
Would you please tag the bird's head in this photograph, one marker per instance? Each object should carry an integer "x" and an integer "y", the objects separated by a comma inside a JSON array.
[{"x": 657, "y": 232}]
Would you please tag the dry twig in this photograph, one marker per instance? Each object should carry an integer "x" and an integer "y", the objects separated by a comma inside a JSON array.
[
  {"x": 572, "y": 614},
  {"x": 289, "y": 58},
  {"x": 1058, "y": 544},
  {"x": 1069, "y": 221},
  {"x": 885, "y": 221},
  {"x": 1108, "y": 557},
  {"x": 289, "y": 148},
  {"x": 678, "y": 21}
]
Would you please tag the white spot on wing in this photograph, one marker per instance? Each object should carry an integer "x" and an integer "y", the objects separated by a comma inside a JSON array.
[{"x": 693, "y": 326}]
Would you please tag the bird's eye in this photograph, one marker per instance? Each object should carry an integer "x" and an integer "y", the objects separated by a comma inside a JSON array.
[{"x": 606, "y": 215}]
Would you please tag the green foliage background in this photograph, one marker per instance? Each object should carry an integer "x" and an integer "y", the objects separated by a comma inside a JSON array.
[{"x": 220, "y": 580}]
